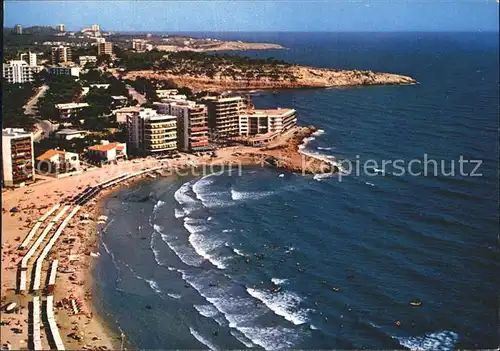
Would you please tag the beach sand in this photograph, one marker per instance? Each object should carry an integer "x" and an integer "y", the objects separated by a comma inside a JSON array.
[{"x": 33, "y": 201}]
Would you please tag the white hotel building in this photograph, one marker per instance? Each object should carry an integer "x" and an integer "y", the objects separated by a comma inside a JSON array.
[
  {"x": 19, "y": 71},
  {"x": 255, "y": 121},
  {"x": 152, "y": 133}
]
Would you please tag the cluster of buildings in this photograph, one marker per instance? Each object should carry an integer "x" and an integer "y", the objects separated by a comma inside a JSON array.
[
  {"x": 25, "y": 69},
  {"x": 20, "y": 71},
  {"x": 173, "y": 124},
  {"x": 19, "y": 166},
  {"x": 141, "y": 45},
  {"x": 179, "y": 124}
]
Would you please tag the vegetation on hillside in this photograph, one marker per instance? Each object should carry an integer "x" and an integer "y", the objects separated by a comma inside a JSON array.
[
  {"x": 62, "y": 89},
  {"x": 210, "y": 65},
  {"x": 14, "y": 97}
]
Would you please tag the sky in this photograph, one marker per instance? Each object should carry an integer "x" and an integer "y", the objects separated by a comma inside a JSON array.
[{"x": 259, "y": 15}]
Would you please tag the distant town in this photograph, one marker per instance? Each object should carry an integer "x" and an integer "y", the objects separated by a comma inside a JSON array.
[{"x": 68, "y": 107}]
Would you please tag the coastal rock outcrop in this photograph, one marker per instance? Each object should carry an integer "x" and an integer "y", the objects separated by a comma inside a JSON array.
[{"x": 279, "y": 77}]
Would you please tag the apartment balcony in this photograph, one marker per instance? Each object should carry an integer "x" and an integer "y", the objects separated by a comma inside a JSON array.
[
  {"x": 161, "y": 147},
  {"x": 198, "y": 129},
  {"x": 154, "y": 126}
]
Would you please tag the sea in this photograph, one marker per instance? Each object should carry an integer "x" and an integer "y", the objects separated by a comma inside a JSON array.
[{"x": 379, "y": 257}]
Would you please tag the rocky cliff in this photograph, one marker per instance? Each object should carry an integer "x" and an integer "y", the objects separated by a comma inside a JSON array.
[{"x": 279, "y": 77}]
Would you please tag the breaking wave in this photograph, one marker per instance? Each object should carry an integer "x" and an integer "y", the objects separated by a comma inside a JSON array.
[
  {"x": 284, "y": 304},
  {"x": 444, "y": 340}
]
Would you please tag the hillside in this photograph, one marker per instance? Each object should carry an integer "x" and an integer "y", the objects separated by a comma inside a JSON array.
[{"x": 226, "y": 72}]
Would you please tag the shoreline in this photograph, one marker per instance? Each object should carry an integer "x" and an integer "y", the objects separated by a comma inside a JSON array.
[{"x": 80, "y": 238}]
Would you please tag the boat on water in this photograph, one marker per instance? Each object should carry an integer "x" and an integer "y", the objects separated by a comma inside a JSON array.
[{"x": 416, "y": 303}]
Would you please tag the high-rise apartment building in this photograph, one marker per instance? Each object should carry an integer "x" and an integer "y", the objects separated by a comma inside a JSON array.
[
  {"x": 17, "y": 157},
  {"x": 61, "y": 28},
  {"x": 18, "y": 71},
  {"x": 192, "y": 124},
  {"x": 96, "y": 28},
  {"x": 223, "y": 116},
  {"x": 19, "y": 29},
  {"x": 254, "y": 121},
  {"x": 32, "y": 60},
  {"x": 61, "y": 54},
  {"x": 104, "y": 48},
  {"x": 152, "y": 133}
]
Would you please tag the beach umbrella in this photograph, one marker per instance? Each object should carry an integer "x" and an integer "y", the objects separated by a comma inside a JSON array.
[{"x": 14, "y": 209}]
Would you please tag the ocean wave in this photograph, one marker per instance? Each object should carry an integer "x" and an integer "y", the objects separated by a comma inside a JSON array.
[
  {"x": 324, "y": 148},
  {"x": 319, "y": 176},
  {"x": 284, "y": 304},
  {"x": 272, "y": 338},
  {"x": 332, "y": 160},
  {"x": 183, "y": 198},
  {"x": 370, "y": 184},
  {"x": 174, "y": 296},
  {"x": 200, "y": 186},
  {"x": 313, "y": 327},
  {"x": 112, "y": 256},
  {"x": 305, "y": 142},
  {"x": 179, "y": 213},
  {"x": 318, "y": 132},
  {"x": 203, "y": 245},
  {"x": 241, "y": 314},
  {"x": 444, "y": 340},
  {"x": 156, "y": 252},
  {"x": 247, "y": 195},
  {"x": 242, "y": 338},
  {"x": 239, "y": 252},
  {"x": 279, "y": 281},
  {"x": 153, "y": 285},
  {"x": 157, "y": 206},
  {"x": 208, "y": 311},
  {"x": 203, "y": 340},
  {"x": 185, "y": 253}
]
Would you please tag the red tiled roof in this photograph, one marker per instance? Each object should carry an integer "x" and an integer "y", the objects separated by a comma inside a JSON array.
[{"x": 47, "y": 155}]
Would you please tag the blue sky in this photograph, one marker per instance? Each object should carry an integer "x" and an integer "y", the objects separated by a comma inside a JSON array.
[{"x": 259, "y": 15}]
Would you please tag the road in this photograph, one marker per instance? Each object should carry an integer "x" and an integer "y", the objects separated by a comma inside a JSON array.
[
  {"x": 46, "y": 126},
  {"x": 141, "y": 99},
  {"x": 30, "y": 107}
]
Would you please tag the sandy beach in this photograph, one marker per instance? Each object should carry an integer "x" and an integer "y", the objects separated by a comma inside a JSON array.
[{"x": 75, "y": 249}]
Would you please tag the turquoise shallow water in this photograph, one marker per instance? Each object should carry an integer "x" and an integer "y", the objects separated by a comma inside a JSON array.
[{"x": 196, "y": 262}]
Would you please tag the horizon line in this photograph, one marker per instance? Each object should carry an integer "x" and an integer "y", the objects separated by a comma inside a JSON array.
[{"x": 268, "y": 31}]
